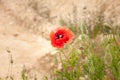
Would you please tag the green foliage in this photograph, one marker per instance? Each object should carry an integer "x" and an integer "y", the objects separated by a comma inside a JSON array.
[
  {"x": 70, "y": 67},
  {"x": 114, "y": 50},
  {"x": 92, "y": 65},
  {"x": 95, "y": 68},
  {"x": 102, "y": 65},
  {"x": 115, "y": 64},
  {"x": 100, "y": 28},
  {"x": 23, "y": 75}
]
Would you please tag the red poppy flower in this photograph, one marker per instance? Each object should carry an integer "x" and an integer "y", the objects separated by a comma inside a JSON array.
[{"x": 61, "y": 36}]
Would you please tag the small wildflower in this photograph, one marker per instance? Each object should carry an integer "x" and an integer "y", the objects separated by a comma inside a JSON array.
[{"x": 61, "y": 36}]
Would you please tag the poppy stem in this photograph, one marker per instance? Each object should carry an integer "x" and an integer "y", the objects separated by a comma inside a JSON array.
[
  {"x": 61, "y": 58},
  {"x": 65, "y": 55}
]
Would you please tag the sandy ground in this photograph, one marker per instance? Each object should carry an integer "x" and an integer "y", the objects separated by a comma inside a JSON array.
[{"x": 25, "y": 48}]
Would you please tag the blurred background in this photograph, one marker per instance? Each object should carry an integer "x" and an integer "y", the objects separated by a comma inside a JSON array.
[{"x": 25, "y": 26}]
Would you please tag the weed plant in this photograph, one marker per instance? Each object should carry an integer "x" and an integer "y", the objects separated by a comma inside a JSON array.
[{"x": 84, "y": 62}]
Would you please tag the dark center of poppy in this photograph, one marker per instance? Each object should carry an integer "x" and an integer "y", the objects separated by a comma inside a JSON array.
[{"x": 58, "y": 36}]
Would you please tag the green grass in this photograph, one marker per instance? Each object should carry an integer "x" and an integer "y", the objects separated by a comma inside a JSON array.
[
  {"x": 91, "y": 58},
  {"x": 95, "y": 68},
  {"x": 71, "y": 68}
]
